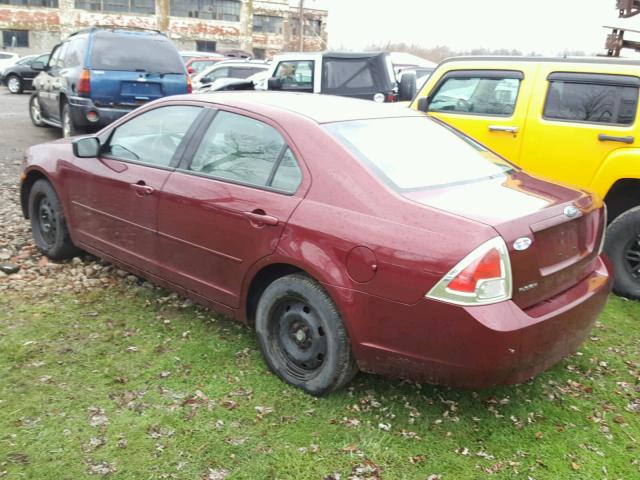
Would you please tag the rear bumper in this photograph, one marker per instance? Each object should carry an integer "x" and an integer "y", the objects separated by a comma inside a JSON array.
[
  {"x": 471, "y": 347},
  {"x": 79, "y": 107}
]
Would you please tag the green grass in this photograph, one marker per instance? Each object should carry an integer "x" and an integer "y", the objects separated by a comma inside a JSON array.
[{"x": 179, "y": 393}]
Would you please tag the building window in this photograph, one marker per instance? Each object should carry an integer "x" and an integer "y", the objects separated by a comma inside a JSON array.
[
  {"x": 31, "y": 3},
  {"x": 267, "y": 24},
  {"x": 312, "y": 28},
  {"x": 205, "y": 46},
  {"x": 15, "y": 38},
  {"x": 125, "y": 6},
  {"x": 228, "y": 10}
]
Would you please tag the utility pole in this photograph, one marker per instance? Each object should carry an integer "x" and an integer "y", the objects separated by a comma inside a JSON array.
[{"x": 302, "y": 25}]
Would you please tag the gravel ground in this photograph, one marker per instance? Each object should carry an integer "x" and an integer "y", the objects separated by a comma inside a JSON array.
[{"x": 36, "y": 275}]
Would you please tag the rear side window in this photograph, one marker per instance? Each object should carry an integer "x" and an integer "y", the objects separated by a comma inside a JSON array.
[
  {"x": 135, "y": 52},
  {"x": 477, "y": 95},
  {"x": 295, "y": 75},
  {"x": 591, "y": 102},
  {"x": 75, "y": 53},
  {"x": 244, "y": 150}
]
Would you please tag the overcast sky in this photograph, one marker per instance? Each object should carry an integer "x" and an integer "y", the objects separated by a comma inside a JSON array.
[{"x": 544, "y": 26}]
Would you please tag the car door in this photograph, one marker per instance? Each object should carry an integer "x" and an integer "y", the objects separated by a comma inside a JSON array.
[
  {"x": 484, "y": 105},
  {"x": 227, "y": 204},
  {"x": 44, "y": 84},
  {"x": 577, "y": 120},
  {"x": 114, "y": 198}
]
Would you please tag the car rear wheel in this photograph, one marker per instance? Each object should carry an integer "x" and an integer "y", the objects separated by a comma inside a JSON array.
[
  {"x": 48, "y": 223},
  {"x": 302, "y": 336},
  {"x": 14, "y": 84},
  {"x": 68, "y": 127},
  {"x": 35, "y": 112},
  {"x": 622, "y": 246}
]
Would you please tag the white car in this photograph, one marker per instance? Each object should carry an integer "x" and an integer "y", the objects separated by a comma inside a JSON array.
[
  {"x": 229, "y": 69},
  {"x": 257, "y": 81},
  {"x": 7, "y": 59}
]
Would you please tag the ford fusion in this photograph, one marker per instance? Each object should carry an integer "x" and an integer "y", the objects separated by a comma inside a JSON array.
[{"x": 350, "y": 235}]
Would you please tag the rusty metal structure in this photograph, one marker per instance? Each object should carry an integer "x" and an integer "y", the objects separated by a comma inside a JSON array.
[{"x": 615, "y": 40}]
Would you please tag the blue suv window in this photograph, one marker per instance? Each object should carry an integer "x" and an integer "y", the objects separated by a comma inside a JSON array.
[{"x": 135, "y": 52}]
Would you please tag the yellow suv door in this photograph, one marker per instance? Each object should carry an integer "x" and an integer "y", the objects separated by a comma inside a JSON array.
[
  {"x": 576, "y": 120},
  {"x": 489, "y": 105}
]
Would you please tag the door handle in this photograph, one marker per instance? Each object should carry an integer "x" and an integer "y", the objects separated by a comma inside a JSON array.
[
  {"x": 503, "y": 128},
  {"x": 141, "y": 188},
  {"x": 259, "y": 218},
  {"x": 611, "y": 138}
]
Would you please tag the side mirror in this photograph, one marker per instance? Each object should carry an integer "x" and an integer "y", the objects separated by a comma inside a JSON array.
[
  {"x": 423, "y": 104},
  {"x": 37, "y": 66},
  {"x": 274, "y": 84},
  {"x": 206, "y": 81},
  {"x": 88, "y": 147}
]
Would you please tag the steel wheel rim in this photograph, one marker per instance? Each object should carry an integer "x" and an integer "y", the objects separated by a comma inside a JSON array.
[
  {"x": 35, "y": 110},
  {"x": 298, "y": 336},
  {"x": 632, "y": 257},
  {"x": 47, "y": 221},
  {"x": 13, "y": 84}
]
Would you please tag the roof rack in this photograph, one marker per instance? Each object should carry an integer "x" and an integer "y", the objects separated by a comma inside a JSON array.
[{"x": 115, "y": 27}]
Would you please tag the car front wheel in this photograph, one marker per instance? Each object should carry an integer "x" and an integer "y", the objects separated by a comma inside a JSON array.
[
  {"x": 302, "y": 336},
  {"x": 622, "y": 246},
  {"x": 35, "y": 112},
  {"x": 48, "y": 224},
  {"x": 14, "y": 84}
]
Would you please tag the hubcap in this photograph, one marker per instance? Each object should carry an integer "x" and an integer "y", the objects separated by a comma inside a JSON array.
[
  {"x": 47, "y": 222},
  {"x": 13, "y": 85},
  {"x": 35, "y": 110},
  {"x": 299, "y": 336},
  {"x": 632, "y": 257}
]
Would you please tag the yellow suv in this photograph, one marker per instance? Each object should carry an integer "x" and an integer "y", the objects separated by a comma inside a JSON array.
[{"x": 571, "y": 120}]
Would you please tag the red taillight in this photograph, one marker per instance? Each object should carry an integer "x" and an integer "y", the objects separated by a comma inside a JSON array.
[
  {"x": 189, "y": 85},
  {"x": 483, "y": 268},
  {"x": 84, "y": 84}
]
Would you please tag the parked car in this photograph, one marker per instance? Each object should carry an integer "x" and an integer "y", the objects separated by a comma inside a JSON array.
[
  {"x": 570, "y": 120},
  {"x": 7, "y": 59},
  {"x": 229, "y": 69},
  {"x": 367, "y": 75},
  {"x": 197, "y": 65},
  {"x": 187, "y": 55},
  {"x": 97, "y": 75},
  {"x": 257, "y": 81},
  {"x": 425, "y": 257},
  {"x": 19, "y": 77}
]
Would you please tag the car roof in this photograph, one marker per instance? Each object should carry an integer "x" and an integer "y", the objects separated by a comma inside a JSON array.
[
  {"x": 561, "y": 60},
  {"x": 319, "y": 108}
]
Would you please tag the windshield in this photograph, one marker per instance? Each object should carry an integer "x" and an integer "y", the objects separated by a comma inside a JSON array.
[
  {"x": 412, "y": 153},
  {"x": 135, "y": 53}
]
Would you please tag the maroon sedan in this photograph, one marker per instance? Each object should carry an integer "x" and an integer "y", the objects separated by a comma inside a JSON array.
[{"x": 352, "y": 235}]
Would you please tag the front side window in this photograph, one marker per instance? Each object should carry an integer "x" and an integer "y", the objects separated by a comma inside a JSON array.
[
  {"x": 476, "y": 95},
  {"x": 591, "y": 102},
  {"x": 200, "y": 65},
  {"x": 423, "y": 154},
  {"x": 244, "y": 150},
  {"x": 295, "y": 75},
  {"x": 152, "y": 137}
]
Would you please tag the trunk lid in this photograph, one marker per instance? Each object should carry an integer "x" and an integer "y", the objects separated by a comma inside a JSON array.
[
  {"x": 564, "y": 226},
  {"x": 131, "y": 89}
]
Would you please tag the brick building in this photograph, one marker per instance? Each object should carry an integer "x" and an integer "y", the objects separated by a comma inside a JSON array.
[{"x": 262, "y": 27}]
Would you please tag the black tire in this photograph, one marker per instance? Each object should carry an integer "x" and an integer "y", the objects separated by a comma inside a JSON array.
[
  {"x": 69, "y": 129},
  {"x": 48, "y": 224},
  {"x": 14, "y": 84},
  {"x": 622, "y": 246},
  {"x": 407, "y": 87},
  {"x": 35, "y": 112},
  {"x": 302, "y": 336}
]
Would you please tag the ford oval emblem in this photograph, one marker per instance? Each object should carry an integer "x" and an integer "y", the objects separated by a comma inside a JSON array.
[
  {"x": 571, "y": 211},
  {"x": 522, "y": 243}
]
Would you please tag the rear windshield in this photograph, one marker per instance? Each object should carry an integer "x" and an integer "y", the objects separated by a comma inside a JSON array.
[
  {"x": 414, "y": 153},
  {"x": 135, "y": 53},
  {"x": 344, "y": 75}
]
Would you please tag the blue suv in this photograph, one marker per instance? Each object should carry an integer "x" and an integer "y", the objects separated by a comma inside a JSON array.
[{"x": 97, "y": 75}]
